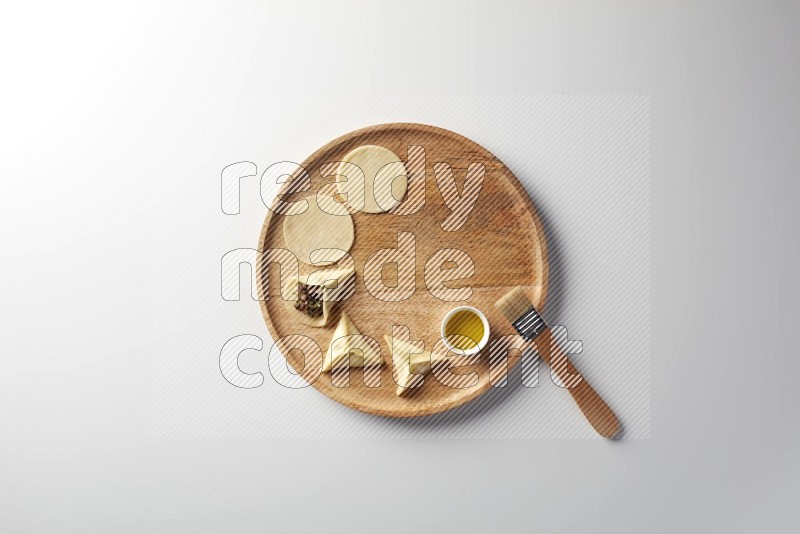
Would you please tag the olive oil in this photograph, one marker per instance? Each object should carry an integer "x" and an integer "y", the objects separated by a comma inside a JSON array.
[{"x": 466, "y": 328}]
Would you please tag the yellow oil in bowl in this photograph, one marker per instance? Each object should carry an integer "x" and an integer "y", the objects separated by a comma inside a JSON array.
[{"x": 464, "y": 330}]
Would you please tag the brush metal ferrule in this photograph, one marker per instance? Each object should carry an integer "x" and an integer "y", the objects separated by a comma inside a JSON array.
[{"x": 530, "y": 324}]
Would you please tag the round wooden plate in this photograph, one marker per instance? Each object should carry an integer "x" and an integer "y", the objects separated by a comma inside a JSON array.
[{"x": 503, "y": 235}]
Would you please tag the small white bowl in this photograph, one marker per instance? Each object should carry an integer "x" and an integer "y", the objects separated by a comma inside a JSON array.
[{"x": 481, "y": 344}]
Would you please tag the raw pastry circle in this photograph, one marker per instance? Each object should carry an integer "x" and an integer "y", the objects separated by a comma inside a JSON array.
[
  {"x": 383, "y": 184},
  {"x": 315, "y": 229}
]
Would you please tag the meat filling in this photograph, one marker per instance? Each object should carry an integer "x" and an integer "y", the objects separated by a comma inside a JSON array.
[{"x": 309, "y": 299}]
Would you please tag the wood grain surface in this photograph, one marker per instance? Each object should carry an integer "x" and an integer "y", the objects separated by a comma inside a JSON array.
[{"x": 503, "y": 235}]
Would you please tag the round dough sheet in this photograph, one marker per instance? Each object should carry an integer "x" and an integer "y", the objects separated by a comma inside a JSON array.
[
  {"x": 383, "y": 184},
  {"x": 315, "y": 229}
]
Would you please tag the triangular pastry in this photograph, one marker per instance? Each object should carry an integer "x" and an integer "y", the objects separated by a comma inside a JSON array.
[
  {"x": 410, "y": 365},
  {"x": 348, "y": 348}
]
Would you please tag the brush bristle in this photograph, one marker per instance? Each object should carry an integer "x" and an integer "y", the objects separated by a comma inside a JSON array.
[{"x": 514, "y": 304}]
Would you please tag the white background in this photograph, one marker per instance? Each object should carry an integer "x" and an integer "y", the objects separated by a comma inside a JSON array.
[{"x": 110, "y": 113}]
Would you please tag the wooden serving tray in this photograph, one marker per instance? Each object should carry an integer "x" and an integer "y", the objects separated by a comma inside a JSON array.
[{"x": 503, "y": 235}]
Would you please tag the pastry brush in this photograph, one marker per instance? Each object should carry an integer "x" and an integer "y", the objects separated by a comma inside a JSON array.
[{"x": 519, "y": 310}]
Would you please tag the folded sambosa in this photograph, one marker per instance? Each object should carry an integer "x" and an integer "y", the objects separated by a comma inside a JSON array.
[
  {"x": 319, "y": 293},
  {"x": 348, "y": 348}
]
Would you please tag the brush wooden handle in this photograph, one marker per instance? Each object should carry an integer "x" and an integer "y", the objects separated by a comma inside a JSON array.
[{"x": 593, "y": 407}]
